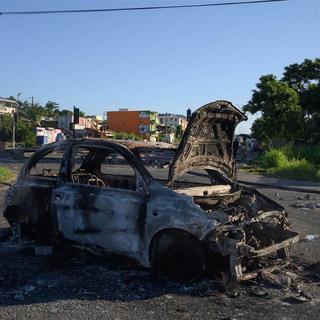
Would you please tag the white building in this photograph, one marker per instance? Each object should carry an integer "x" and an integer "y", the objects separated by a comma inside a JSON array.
[
  {"x": 7, "y": 106},
  {"x": 173, "y": 120}
]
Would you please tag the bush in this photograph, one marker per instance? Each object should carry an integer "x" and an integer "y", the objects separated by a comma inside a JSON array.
[
  {"x": 5, "y": 174},
  {"x": 299, "y": 170},
  {"x": 273, "y": 158},
  {"x": 309, "y": 152},
  {"x": 125, "y": 136},
  {"x": 286, "y": 163}
]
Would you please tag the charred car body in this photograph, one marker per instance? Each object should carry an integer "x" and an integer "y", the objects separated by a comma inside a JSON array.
[{"x": 74, "y": 190}]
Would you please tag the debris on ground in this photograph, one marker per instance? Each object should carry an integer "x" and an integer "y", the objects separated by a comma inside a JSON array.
[
  {"x": 272, "y": 279},
  {"x": 291, "y": 284},
  {"x": 307, "y": 203},
  {"x": 43, "y": 251},
  {"x": 5, "y": 234},
  {"x": 23, "y": 292},
  {"x": 297, "y": 298},
  {"x": 314, "y": 270},
  {"x": 258, "y": 292},
  {"x": 311, "y": 237}
]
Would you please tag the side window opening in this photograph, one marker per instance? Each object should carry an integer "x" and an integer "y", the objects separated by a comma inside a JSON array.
[
  {"x": 103, "y": 168},
  {"x": 49, "y": 165},
  {"x": 118, "y": 172}
]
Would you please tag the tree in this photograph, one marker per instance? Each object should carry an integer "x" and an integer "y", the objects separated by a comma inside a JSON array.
[
  {"x": 6, "y": 127},
  {"x": 25, "y": 132},
  {"x": 65, "y": 112},
  {"x": 300, "y": 76},
  {"x": 31, "y": 113},
  {"x": 281, "y": 114},
  {"x": 51, "y": 109},
  {"x": 178, "y": 131},
  {"x": 305, "y": 79}
]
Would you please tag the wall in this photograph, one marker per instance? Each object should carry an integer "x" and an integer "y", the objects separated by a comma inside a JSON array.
[
  {"x": 173, "y": 121},
  {"x": 130, "y": 122}
]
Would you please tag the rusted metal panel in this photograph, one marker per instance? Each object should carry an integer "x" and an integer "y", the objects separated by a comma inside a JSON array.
[{"x": 207, "y": 141}]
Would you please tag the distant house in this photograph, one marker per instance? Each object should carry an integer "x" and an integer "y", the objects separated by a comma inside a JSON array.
[
  {"x": 7, "y": 106},
  {"x": 96, "y": 121},
  {"x": 64, "y": 122},
  {"x": 141, "y": 123},
  {"x": 173, "y": 120}
]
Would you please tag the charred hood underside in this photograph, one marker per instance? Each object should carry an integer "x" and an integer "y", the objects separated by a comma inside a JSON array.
[{"x": 207, "y": 141}]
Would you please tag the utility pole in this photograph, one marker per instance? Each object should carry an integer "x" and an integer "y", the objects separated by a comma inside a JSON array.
[
  {"x": 31, "y": 101},
  {"x": 140, "y": 129},
  {"x": 13, "y": 131},
  {"x": 166, "y": 128},
  {"x": 76, "y": 116},
  {"x": 14, "y": 120}
]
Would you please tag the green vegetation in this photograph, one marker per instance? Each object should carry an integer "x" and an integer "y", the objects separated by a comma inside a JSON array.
[
  {"x": 289, "y": 116},
  {"x": 300, "y": 163},
  {"x": 125, "y": 136},
  {"x": 289, "y": 107},
  {"x": 25, "y": 131},
  {"x": 309, "y": 152},
  {"x": 29, "y": 117},
  {"x": 5, "y": 174}
]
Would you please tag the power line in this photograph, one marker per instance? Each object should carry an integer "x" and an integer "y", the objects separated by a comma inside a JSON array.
[{"x": 140, "y": 8}]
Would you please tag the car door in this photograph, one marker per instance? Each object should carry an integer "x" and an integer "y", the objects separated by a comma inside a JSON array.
[
  {"x": 37, "y": 179},
  {"x": 109, "y": 217}
]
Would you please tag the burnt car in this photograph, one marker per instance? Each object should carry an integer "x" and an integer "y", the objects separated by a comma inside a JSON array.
[{"x": 98, "y": 194}]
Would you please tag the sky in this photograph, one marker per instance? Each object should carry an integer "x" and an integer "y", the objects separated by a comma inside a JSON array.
[{"x": 165, "y": 61}]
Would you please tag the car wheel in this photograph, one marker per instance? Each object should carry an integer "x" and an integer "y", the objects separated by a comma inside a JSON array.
[
  {"x": 182, "y": 261},
  {"x": 19, "y": 228}
]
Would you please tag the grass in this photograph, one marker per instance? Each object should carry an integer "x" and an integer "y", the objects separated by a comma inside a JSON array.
[
  {"x": 5, "y": 174},
  {"x": 125, "y": 136},
  {"x": 311, "y": 153},
  {"x": 298, "y": 163}
]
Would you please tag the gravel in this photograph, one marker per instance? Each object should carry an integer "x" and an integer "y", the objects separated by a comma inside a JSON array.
[{"x": 72, "y": 284}]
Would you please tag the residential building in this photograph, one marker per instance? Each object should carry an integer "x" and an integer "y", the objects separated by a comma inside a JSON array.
[
  {"x": 96, "y": 121},
  {"x": 7, "y": 106},
  {"x": 141, "y": 123},
  {"x": 173, "y": 120},
  {"x": 64, "y": 122},
  {"x": 95, "y": 117},
  {"x": 46, "y": 135}
]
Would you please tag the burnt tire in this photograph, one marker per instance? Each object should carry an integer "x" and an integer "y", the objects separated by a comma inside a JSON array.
[
  {"x": 19, "y": 228},
  {"x": 182, "y": 261}
]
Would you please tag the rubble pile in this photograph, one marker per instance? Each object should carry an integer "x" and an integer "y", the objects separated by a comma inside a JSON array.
[{"x": 307, "y": 203}]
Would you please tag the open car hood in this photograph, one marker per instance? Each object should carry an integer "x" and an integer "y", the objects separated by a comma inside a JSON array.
[{"x": 207, "y": 141}]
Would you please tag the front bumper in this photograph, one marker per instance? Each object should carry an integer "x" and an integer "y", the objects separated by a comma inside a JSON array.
[
  {"x": 231, "y": 241},
  {"x": 291, "y": 238}
]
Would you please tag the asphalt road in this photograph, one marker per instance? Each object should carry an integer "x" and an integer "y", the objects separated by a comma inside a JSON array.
[{"x": 72, "y": 284}]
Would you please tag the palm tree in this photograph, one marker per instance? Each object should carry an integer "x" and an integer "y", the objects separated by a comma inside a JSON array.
[
  {"x": 31, "y": 113},
  {"x": 52, "y": 109}
]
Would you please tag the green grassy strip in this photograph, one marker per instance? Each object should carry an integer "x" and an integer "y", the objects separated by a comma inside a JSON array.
[
  {"x": 281, "y": 163},
  {"x": 5, "y": 174}
]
